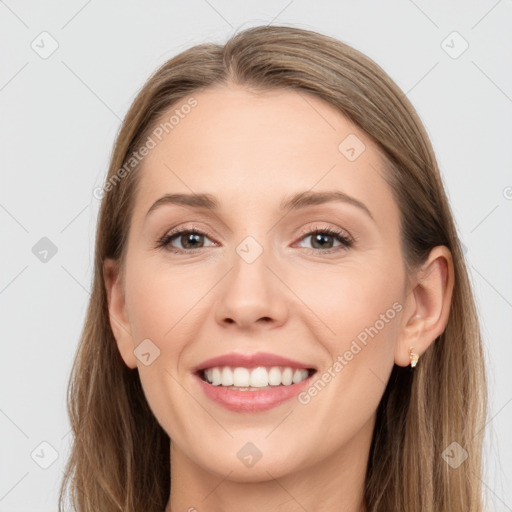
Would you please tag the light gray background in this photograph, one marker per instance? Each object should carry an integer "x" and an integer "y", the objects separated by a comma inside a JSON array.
[{"x": 59, "y": 119}]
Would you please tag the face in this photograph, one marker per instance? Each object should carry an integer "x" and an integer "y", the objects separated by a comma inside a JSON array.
[{"x": 319, "y": 283}]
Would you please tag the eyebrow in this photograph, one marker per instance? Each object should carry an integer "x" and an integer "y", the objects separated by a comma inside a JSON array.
[{"x": 295, "y": 202}]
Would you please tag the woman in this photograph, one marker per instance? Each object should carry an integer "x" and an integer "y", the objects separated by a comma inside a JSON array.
[{"x": 281, "y": 317}]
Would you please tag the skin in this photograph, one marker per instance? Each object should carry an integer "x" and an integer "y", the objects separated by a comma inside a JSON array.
[{"x": 251, "y": 151}]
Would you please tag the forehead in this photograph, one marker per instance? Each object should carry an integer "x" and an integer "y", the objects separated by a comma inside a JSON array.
[{"x": 252, "y": 149}]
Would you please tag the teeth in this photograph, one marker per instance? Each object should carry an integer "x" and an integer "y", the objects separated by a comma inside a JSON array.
[
  {"x": 227, "y": 377},
  {"x": 216, "y": 376},
  {"x": 287, "y": 376},
  {"x": 241, "y": 377},
  {"x": 253, "y": 378},
  {"x": 297, "y": 376},
  {"x": 259, "y": 377},
  {"x": 274, "y": 376}
]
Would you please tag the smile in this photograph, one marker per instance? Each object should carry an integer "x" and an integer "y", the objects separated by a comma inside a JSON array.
[{"x": 248, "y": 383}]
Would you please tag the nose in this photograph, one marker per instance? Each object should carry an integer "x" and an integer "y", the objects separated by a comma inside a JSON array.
[{"x": 252, "y": 295}]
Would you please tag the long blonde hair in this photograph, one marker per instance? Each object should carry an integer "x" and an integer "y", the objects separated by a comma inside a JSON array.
[{"x": 120, "y": 454}]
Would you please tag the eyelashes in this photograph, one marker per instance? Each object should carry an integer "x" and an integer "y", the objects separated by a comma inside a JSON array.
[{"x": 318, "y": 235}]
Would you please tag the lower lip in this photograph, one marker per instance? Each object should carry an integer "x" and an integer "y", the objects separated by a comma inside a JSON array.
[{"x": 252, "y": 401}]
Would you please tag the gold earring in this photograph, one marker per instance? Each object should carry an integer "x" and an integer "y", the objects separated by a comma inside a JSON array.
[{"x": 413, "y": 357}]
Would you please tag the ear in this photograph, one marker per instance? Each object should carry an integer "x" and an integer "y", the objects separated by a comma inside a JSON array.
[
  {"x": 427, "y": 305},
  {"x": 117, "y": 312}
]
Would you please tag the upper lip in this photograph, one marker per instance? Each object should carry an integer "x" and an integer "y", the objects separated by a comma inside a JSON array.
[{"x": 251, "y": 361}]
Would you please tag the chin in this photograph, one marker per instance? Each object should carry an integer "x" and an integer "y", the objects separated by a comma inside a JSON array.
[{"x": 244, "y": 462}]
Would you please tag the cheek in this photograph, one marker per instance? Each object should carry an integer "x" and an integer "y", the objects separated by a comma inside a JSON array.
[
  {"x": 167, "y": 305},
  {"x": 162, "y": 301},
  {"x": 162, "y": 306},
  {"x": 362, "y": 309},
  {"x": 350, "y": 300}
]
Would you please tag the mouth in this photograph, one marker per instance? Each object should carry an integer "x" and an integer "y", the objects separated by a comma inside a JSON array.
[
  {"x": 251, "y": 390},
  {"x": 248, "y": 383}
]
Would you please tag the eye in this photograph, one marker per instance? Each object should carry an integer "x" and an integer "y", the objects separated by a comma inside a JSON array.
[
  {"x": 324, "y": 239},
  {"x": 188, "y": 240}
]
